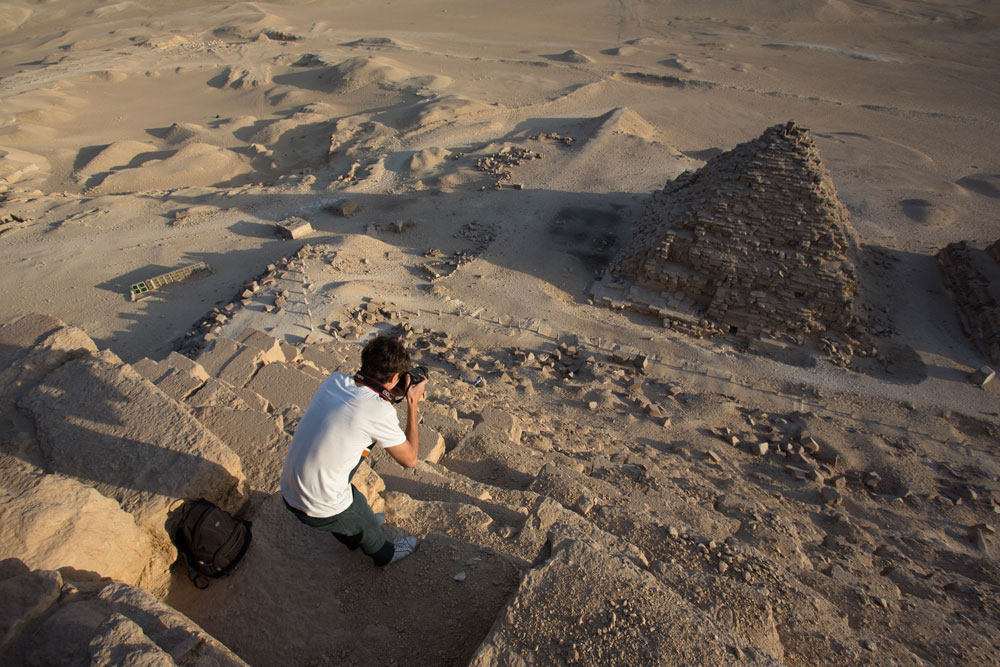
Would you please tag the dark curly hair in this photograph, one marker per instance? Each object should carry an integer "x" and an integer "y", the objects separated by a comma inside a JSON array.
[{"x": 383, "y": 357}]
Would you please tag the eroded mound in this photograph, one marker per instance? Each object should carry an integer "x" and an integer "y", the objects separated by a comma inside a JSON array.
[{"x": 756, "y": 242}]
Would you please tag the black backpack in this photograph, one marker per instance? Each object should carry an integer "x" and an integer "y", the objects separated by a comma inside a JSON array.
[{"x": 211, "y": 540}]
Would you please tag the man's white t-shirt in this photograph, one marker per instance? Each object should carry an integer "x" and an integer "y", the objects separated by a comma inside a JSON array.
[{"x": 342, "y": 421}]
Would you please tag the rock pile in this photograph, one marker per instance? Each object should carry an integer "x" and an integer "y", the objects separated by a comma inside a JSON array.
[
  {"x": 755, "y": 243},
  {"x": 973, "y": 278}
]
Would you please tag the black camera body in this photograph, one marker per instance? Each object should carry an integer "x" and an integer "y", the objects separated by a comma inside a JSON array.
[{"x": 416, "y": 375}]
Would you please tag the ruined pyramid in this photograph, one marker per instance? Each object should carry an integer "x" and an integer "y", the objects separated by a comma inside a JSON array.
[{"x": 755, "y": 243}]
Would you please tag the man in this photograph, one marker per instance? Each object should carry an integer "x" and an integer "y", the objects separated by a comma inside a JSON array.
[{"x": 346, "y": 417}]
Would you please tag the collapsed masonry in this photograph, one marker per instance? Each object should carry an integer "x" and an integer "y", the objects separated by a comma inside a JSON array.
[
  {"x": 973, "y": 278},
  {"x": 755, "y": 243}
]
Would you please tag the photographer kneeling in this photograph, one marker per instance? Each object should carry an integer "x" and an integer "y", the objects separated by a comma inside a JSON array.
[{"x": 346, "y": 418}]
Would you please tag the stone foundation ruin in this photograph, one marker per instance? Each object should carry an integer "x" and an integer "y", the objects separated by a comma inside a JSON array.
[
  {"x": 973, "y": 278},
  {"x": 755, "y": 243}
]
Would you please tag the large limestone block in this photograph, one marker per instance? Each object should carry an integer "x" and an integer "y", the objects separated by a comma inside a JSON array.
[
  {"x": 175, "y": 633},
  {"x": 176, "y": 381},
  {"x": 215, "y": 392},
  {"x": 107, "y": 624},
  {"x": 33, "y": 346},
  {"x": 120, "y": 641},
  {"x": 50, "y": 522},
  {"x": 24, "y": 596},
  {"x": 284, "y": 386},
  {"x": 218, "y": 353},
  {"x": 189, "y": 366},
  {"x": 371, "y": 486},
  {"x": 268, "y": 345},
  {"x": 329, "y": 362},
  {"x": 242, "y": 366},
  {"x": 105, "y": 425},
  {"x": 257, "y": 437}
]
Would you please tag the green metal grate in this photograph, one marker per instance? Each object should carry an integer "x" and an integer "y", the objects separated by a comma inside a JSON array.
[{"x": 143, "y": 288}]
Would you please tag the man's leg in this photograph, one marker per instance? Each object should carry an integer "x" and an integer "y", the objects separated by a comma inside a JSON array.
[{"x": 355, "y": 527}]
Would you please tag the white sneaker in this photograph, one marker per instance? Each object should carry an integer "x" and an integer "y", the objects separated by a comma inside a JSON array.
[{"x": 404, "y": 546}]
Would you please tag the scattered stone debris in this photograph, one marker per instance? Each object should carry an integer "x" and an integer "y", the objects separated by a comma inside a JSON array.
[
  {"x": 293, "y": 228},
  {"x": 553, "y": 136},
  {"x": 973, "y": 278},
  {"x": 194, "y": 340},
  {"x": 755, "y": 243},
  {"x": 500, "y": 163},
  {"x": 442, "y": 267}
]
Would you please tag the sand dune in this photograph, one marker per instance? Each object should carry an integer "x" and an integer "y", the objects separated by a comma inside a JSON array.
[
  {"x": 349, "y": 75},
  {"x": 119, "y": 155},
  {"x": 11, "y": 17},
  {"x": 193, "y": 165}
]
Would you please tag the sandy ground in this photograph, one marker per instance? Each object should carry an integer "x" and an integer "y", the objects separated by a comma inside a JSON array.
[{"x": 136, "y": 140}]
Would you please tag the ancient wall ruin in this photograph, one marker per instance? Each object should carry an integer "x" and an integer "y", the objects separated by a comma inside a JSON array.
[
  {"x": 973, "y": 278},
  {"x": 754, "y": 243}
]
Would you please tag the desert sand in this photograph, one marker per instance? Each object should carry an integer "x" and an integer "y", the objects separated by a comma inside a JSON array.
[{"x": 602, "y": 490}]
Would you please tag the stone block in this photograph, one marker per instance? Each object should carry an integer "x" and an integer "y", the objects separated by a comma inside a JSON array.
[
  {"x": 242, "y": 366},
  {"x": 371, "y": 486},
  {"x": 284, "y": 386},
  {"x": 293, "y": 228},
  {"x": 178, "y": 384},
  {"x": 501, "y": 422},
  {"x": 120, "y": 625},
  {"x": 99, "y": 422},
  {"x": 268, "y": 345},
  {"x": 186, "y": 364},
  {"x": 432, "y": 445},
  {"x": 217, "y": 392},
  {"x": 25, "y": 596},
  {"x": 149, "y": 369},
  {"x": 327, "y": 361},
  {"x": 51, "y": 521},
  {"x": 292, "y": 353},
  {"x": 343, "y": 207},
  {"x": 214, "y": 357},
  {"x": 580, "y": 567},
  {"x": 982, "y": 376},
  {"x": 257, "y": 438}
]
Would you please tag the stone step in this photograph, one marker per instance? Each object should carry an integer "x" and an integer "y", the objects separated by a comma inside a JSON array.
[
  {"x": 284, "y": 386},
  {"x": 231, "y": 361},
  {"x": 101, "y": 422},
  {"x": 216, "y": 392},
  {"x": 177, "y": 376}
]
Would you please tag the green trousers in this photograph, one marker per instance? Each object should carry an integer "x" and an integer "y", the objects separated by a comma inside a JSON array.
[{"x": 354, "y": 527}]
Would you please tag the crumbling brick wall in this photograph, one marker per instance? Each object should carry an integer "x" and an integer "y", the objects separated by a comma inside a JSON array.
[{"x": 973, "y": 278}]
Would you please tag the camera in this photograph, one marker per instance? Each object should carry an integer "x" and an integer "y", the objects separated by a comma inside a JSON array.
[{"x": 416, "y": 375}]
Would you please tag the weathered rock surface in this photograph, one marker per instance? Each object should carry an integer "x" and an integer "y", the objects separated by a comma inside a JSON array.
[
  {"x": 51, "y": 521},
  {"x": 48, "y": 618},
  {"x": 100, "y": 422}
]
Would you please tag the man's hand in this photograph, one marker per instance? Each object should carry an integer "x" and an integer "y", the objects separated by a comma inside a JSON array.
[{"x": 415, "y": 392}]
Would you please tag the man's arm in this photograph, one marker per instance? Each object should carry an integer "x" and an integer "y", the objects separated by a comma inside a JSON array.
[{"x": 406, "y": 453}]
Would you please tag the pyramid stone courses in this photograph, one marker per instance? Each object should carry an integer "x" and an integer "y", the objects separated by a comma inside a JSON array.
[{"x": 755, "y": 242}]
